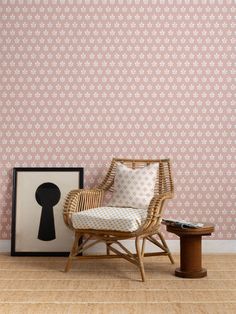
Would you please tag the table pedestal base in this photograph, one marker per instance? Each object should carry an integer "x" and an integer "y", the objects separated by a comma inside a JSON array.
[
  {"x": 186, "y": 274},
  {"x": 191, "y": 250}
]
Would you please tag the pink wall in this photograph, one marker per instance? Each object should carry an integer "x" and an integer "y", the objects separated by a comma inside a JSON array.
[{"x": 82, "y": 81}]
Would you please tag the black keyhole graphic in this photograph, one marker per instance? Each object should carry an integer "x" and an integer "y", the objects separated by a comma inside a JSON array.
[{"x": 47, "y": 195}]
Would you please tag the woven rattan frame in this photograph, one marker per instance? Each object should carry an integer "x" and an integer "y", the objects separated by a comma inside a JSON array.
[{"x": 79, "y": 200}]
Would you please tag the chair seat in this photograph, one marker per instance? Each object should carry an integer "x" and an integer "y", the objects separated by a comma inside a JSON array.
[{"x": 110, "y": 218}]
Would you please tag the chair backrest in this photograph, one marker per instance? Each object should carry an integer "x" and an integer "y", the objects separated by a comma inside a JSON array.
[{"x": 164, "y": 182}]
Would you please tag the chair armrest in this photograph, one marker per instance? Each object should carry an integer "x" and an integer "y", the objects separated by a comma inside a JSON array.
[
  {"x": 156, "y": 204},
  {"x": 81, "y": 199},
  {"x": 155, "y": 207}
]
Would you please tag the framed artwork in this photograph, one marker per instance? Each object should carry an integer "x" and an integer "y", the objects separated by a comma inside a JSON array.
[{"x": 38, "y": 228}]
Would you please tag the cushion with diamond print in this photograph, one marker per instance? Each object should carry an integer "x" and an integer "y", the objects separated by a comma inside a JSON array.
[{"x": 134, "y": 187}]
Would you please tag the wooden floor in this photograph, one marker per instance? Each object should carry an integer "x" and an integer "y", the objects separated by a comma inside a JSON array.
[{"x": 38, "y": 285}]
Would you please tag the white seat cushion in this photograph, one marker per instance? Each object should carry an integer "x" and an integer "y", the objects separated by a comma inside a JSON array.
[
  {"x": 134, "y": 187},
  {"x": 109, "y": 218}
]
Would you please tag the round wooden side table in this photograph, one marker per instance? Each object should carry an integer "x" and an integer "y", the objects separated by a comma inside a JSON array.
[{"x": 191, "y": 250}]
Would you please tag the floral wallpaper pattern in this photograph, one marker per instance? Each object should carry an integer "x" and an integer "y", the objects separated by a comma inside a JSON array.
[{"x": 83, "y": 81}]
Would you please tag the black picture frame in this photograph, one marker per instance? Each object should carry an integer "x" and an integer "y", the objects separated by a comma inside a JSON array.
[{"x": 25, "y": 181}]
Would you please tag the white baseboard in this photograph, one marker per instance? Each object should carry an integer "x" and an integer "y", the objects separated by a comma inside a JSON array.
[
  {"x": 219, "y": 246},
  {"x": 208, "y": 246},
  {"x": 5, "y": 245}
]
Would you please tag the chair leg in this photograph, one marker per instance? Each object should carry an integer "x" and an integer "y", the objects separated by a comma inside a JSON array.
[
  {"x": 108, "y": 250},
  {"x": 166, "y": 247},
  {"x": 140, "y": 258},
  {"x": 143, "y": 247},
  {"x": 73, "y": 252}
]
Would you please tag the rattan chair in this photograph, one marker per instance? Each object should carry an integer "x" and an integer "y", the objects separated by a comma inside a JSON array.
[{"x": 84, "y": 199}]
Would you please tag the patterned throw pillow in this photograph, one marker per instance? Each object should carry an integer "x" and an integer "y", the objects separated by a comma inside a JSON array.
[{"x": 134, "y": 187}]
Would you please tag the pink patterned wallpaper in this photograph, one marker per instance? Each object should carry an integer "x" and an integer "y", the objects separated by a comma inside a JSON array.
[{"x": 82, "y": 81}]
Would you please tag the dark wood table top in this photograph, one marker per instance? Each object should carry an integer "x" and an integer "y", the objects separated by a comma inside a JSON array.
[{"x": 205, "y": 230}]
